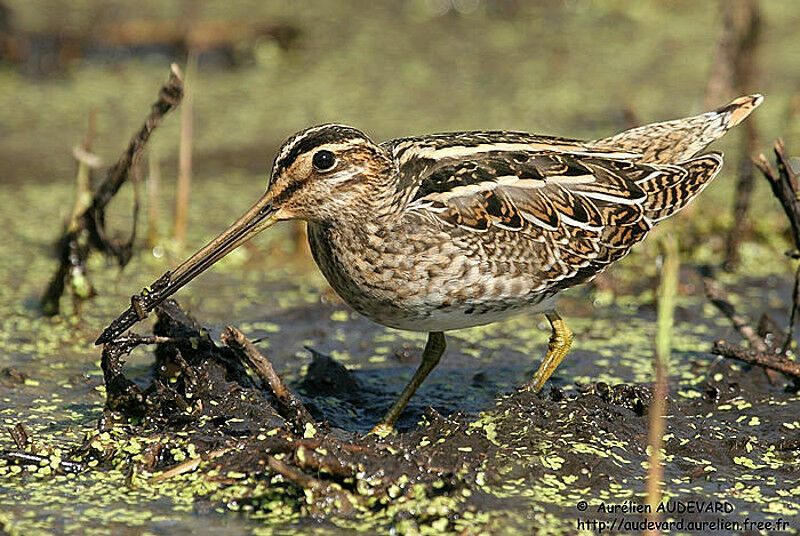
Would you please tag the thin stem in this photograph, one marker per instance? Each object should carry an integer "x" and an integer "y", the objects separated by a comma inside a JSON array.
[{"x": 667, "y": 291}]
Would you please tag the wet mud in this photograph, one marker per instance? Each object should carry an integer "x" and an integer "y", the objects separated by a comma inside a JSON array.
[
  {"x": 182, "y": 437},
  {"x": 198, "y": 420}
]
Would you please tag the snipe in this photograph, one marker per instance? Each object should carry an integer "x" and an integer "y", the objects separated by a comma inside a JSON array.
[{"x": 449, "y": 231}]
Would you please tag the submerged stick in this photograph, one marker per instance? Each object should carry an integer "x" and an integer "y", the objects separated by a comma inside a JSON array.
[
  {"x": 26, "y": 458},
  {"x": 89, "y": 231},
  {"x": 721, "y": 301},
  {"x": 188, "y": 466}
]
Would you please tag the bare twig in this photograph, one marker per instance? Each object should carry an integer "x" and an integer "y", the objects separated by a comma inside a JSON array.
[
  {"x": 772, "y": 361},
  {"x": 785, "y": 187},
  {"x": 89, "y": 233},
  {"x": 169, "y": 98},
  {"x": 237, "y": 341},
  {"x": 720, "y": 300}
]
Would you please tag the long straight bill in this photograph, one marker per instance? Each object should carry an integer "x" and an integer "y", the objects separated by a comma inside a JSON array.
[{"x": 258, "y": 218}]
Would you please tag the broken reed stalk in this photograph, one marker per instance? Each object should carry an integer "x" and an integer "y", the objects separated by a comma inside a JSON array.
[
  {"x": 184, "y": 184},
  {"x": 79, "y": 285},
  {"x": 86, "y": 162},
  {"x": 153, "y": 195},
  {"x": 667, "y": 291},
  {"x": 75, "y": 246},
  {"x": 785, "y": 187},
  {"x": 735, "y": 69}
]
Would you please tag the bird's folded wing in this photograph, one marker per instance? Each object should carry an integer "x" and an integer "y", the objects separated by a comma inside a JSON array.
[{"x": 586, "y": 209}]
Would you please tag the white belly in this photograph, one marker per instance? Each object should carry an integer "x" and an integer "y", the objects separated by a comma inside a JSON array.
[{"x": 457, "y": 317}]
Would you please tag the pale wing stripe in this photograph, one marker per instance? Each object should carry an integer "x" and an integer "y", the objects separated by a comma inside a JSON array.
[
  {"x": 536, "y": 221},
  {"x": 581, "y": 225},
  {"x": 462, "y": 151},
  {"x": 611, "y": 198},
  {"x": 470, "y": 189},
  {"x": 564, "y": 180},
  {"x": 652, "y": 175}
]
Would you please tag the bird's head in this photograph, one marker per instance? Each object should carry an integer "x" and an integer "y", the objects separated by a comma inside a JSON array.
[
  {"x": 326, "y": 173},
  {"x": 323, "y": 174}
]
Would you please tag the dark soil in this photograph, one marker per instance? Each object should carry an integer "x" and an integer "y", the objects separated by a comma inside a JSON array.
[{"x": 569, "y": 445}]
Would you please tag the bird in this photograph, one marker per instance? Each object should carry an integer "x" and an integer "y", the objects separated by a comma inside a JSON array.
[{"x": 449, "y": 231}]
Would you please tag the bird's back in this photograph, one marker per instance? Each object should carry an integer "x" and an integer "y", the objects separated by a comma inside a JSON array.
[{"x": 673, "y": 142}]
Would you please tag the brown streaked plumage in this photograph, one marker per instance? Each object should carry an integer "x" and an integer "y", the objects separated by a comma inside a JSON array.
[{"x": 454, "y": 230}]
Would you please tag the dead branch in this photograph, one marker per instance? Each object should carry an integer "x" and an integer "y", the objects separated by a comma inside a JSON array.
[
  {"x": 772, "y": 361},
  {"x": 236, "y": 340},
  {"x": 785, "y": 187},
  {"x": 89, "y": 231}
]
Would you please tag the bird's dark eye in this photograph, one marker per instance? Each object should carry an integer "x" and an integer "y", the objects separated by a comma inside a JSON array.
[{"x": 323, "y": 160}]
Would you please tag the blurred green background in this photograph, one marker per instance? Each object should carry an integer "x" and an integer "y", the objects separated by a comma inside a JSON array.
[{"x": 578, "y": 68}]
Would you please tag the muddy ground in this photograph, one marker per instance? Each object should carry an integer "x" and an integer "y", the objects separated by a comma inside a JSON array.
[{"x": 474, "y": 454}]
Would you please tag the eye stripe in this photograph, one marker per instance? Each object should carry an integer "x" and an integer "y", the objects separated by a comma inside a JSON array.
[
  {"x": 312, "y": 138},
  {"x": 287, "y": 192}
]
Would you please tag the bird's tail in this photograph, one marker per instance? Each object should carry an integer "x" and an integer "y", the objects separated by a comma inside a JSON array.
[
  {"x": 677, "y": 141},
  {"x": 667, "y": 193}
]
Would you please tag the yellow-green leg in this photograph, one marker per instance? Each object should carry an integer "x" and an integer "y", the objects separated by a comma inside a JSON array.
[
  {"x": 557, "y": 349},
  {"x": 434, "y": 349}
]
